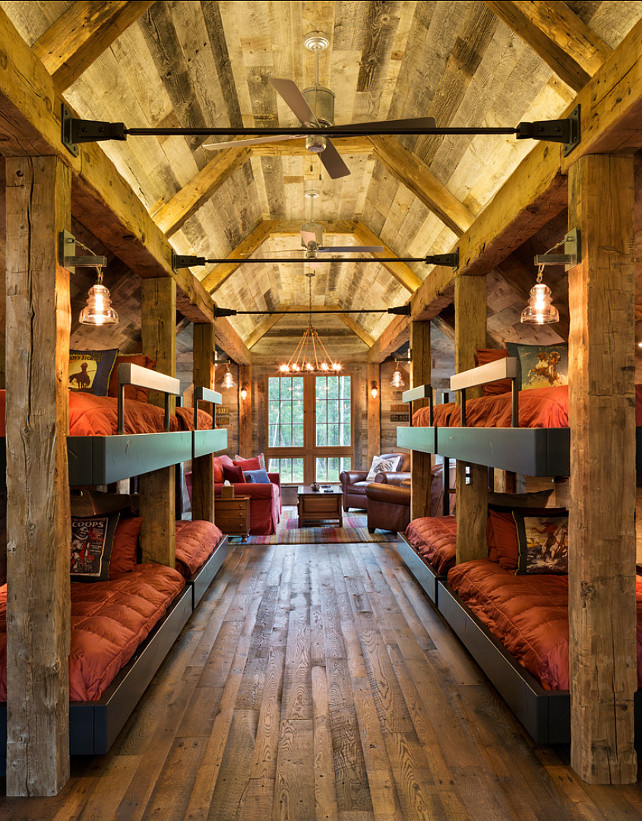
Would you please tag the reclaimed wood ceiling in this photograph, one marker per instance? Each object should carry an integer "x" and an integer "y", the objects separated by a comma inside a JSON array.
[{"x": 209, "y": 63}]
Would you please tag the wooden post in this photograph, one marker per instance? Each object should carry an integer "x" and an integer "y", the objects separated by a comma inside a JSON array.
[
  {"x": 472, "y": 498},
  {"x": 374, "y": 412},
  {"x": 157, "y": 502},
  {"x": 38, "y": 519},
  {"x": 203, "y": 467},
  {"x": 602, "y": 612},
  {"x": 246, "y": 445},
  {"x": 420, "y": 463}
]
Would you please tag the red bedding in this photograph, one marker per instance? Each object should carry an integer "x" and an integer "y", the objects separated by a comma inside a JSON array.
[
  {"x": 538, "y": 408},
  {"x": 109, "y": 620},
  {"x": 435, "y": 540},
  {"x": 195, "y": 543},
  {"x": 528, "y": 614},
  {"x": 91, "y": 415}
]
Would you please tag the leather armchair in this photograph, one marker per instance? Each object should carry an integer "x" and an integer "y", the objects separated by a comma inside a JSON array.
[
  {"x": 388, "y": 506},
  {"x": 353, "y": 482}
]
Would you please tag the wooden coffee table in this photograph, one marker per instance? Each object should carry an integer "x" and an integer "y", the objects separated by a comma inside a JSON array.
[{"x": 318, "y": 508}]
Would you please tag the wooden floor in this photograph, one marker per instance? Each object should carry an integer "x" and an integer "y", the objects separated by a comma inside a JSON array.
[{"x": 317, "y": 682}]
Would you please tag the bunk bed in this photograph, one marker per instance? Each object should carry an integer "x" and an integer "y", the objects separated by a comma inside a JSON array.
[
  {"x": 134, "y": 618},
  {"x": 484, "y": 621}
]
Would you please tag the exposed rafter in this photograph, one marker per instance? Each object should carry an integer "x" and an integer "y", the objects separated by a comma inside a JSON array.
[
  {"x": 559, "y": 36},
  {"x": 220, "y": 273},
  {"x": 418, "y": 178},
  {"x": 394, "y": 335},
  {"x": 399, "y": 270},
  {"x": 81, "y": 34},
  {"x": 354, "y": 326},
  {"x": 293, "y": 227},
  {"x": 171, "y": 216},
  {"x": 262, "y": 328}
]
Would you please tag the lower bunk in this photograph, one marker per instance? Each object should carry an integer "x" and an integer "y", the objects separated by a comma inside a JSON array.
[
  {"x": 514, "y": 626},
  {"x": 122, "y": 629}
]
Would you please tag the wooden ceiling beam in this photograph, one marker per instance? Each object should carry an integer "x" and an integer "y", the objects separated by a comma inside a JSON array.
[
  {"x": 262, "y": 328},
  {"x": 229, "y": 341},
  {"x": 402, "y": 272},
  {"x": 171, "y": 216},
  {"x": 82, "y": 34},
  {"x": 565, "y": 43},
  {"x": 296, "y": 148},
  {"x": 417, "y": 177},
  {"x": 217, "y": 276},
  {"x": 287, "y": 228},
  {"x": 394, "y": 335},
  {"x": 356, "y": 329}
]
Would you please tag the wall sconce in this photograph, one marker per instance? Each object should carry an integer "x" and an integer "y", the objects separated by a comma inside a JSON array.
[
  {"x": 243, "y": 392},
  {"x": 540, "y": 309},
  {"x": 374, "y": 390},
  {"x": 98, "y": 310}
]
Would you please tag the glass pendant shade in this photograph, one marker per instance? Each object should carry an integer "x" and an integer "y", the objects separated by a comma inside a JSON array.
[
  {"x": 397, "y": 380},
  {"x": 540, "y": 310},
  {"x": 98, "y": 310},
  {"x": 228, "y": 380}
]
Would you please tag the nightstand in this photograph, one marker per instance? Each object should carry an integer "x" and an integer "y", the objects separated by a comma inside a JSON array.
[{"x": 233, "y": 515}]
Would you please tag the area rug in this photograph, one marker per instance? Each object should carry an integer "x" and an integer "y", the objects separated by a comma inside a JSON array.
[{"x": 354, "y": 530}]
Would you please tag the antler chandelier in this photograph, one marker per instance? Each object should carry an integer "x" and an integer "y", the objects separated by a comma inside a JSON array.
[{"x": 310, "y": 355}]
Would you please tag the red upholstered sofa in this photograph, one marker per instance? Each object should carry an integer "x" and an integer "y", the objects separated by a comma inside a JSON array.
[{"x": 265, "y": 500}]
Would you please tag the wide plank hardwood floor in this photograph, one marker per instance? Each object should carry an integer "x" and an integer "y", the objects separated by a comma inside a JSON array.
[{"x": 317, "y": 682}]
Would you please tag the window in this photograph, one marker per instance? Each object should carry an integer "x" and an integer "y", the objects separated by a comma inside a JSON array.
[{"x": 309, "y": 427}]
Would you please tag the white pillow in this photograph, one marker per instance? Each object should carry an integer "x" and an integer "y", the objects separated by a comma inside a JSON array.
[{"x": 383, "y": 465}]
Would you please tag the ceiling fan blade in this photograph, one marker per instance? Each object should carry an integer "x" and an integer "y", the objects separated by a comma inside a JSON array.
[
  {"x": 277, "y": 138},
  {"x": 332, "y": 161},
  {"x": 289, "y": 90},
  {"x": 350, "y": 249},
  {"x": 413, "y": 122}
]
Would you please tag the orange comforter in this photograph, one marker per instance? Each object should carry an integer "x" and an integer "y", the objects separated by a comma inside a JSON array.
[
  {"x": 529, "y": 616},
  {"x": 109, "y": 620},
  {"x": 195, "y": 543},
  {"x": 538, "y": 408},
  {"x": 435, "y": 540},
  {"x": 91, "y": 415}
]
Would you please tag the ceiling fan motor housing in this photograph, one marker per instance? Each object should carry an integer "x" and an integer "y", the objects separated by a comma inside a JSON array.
[{"x": 321, "y": 101}]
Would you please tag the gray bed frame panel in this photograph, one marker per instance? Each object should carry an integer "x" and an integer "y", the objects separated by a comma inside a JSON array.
[
  {"x": 545, "y": 714},
  {"x": 422, "y": 439},
  {"x": 208, "y": 441},
  {"x": 101, "y": 460},
  {"x": 425, "y": 575},
  {"x": 203, "y": 577}
]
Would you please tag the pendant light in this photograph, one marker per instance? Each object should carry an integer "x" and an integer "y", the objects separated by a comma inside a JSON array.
[
  {"x": 310, "y": 354},
  {"x": 228, "y": 380},
  {"x": 540, "y": 310},
  {"x": 98, "y": 310},
  {"x": 397, "y": 380}
]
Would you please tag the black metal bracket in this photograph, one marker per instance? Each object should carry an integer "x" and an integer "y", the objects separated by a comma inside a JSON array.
[
  {"x": 67, "y": 255},
  {"x": 565, "y": 131},
  {"x": 572, "y": 252},
  {"x": 224, "y": 312},
  {"x": 402, "y": 310},
  {"x": 75, "y": 130},
  {"x": 182, "y": 261},
  {"x": 449, "y": 260}
]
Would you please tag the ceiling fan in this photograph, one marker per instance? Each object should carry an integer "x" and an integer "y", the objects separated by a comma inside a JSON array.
[
  {"x": 312, "y": 236},
  {"x": 314, "y": 107}
]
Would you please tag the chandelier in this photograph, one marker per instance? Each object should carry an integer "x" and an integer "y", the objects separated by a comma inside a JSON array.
[{"x": 310, "y": 354}]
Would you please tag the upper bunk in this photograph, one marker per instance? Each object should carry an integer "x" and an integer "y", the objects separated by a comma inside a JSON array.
[
  {"x": 519, "y": 431},
  {"x": 145, "y": 438}
]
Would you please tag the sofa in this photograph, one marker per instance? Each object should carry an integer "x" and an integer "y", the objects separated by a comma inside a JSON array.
[
  {"x": 354, "y": 482},
  {"x": 265, "y": 499}
]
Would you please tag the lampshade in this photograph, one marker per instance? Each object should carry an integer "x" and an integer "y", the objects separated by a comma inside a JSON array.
[
  {"x": 228, "y": 380},
  {"x": 540, "y": 310},
  {"x": 397, "y": 380},
  {"x": 98, "y": 310}
]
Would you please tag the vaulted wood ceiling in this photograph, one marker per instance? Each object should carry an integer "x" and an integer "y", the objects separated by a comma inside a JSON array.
[{"x": 208, "y": 63}]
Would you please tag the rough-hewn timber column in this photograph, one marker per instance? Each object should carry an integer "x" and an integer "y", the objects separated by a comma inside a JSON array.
[
  {"x": 203, "y": 467},
  {"x": 472, "y": 499},
  {"x": 245, "y": 412},
  {"x": 420, "y": 463},
  {"x": 374, "y": 412},
  {"x": 38, "y": 521},
  {"x": 157, "y": 502},
  {"x": 602, "y": 615}
]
